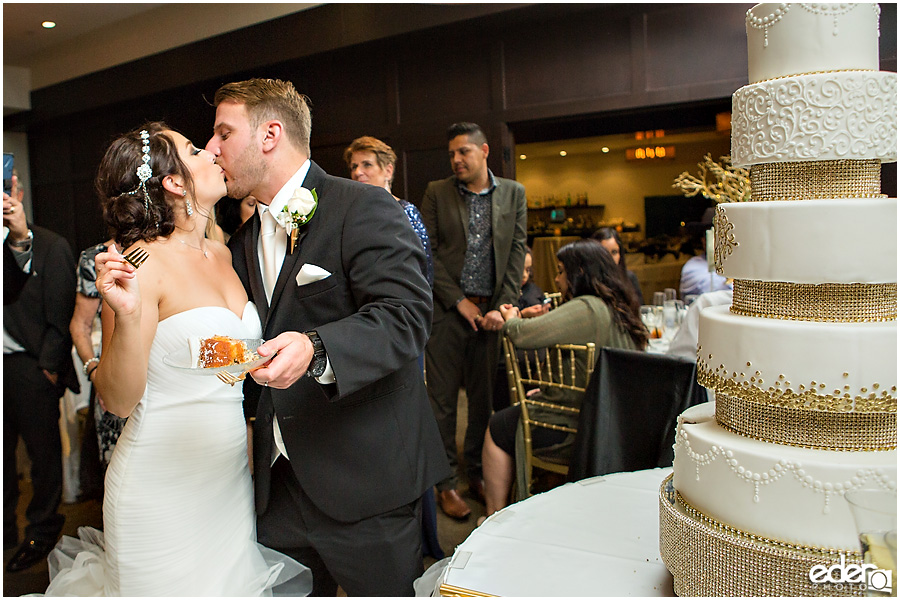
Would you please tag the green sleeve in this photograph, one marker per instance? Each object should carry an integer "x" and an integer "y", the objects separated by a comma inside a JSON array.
[{"x": 574, "y": 322}]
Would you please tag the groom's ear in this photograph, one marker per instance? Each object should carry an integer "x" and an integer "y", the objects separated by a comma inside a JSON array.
[{"x": 273, "y": 132}]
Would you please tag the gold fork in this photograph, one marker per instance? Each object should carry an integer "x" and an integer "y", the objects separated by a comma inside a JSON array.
[
  {"x": 136, "y": 257},
  {"x": 226, "y": 377}
]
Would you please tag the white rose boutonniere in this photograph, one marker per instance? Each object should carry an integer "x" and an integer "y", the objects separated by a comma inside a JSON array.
[{"x": 297, "y": 212}]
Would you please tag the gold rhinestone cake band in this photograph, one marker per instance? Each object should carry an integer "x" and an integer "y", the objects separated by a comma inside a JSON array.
[
  {"x": 821, "y": 430},
  {"x": 833, "y": 302},
  {"x": 810, "y": 396},
  {"x": 815, "y": 180},
  {"x": 707, "y": 558}
]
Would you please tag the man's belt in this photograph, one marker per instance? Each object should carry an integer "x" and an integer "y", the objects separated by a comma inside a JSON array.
[{"x": 478, "y": 299}]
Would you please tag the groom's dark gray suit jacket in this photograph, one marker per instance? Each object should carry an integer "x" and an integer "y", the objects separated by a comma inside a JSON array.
[{"x": 369, "y": 443}]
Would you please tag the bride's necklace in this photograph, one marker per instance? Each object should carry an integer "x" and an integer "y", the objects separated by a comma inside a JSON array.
[{"x": 205, "y": 255}]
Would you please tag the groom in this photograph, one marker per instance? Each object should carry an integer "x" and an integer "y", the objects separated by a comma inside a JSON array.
[{"x": 344, "y": 442}]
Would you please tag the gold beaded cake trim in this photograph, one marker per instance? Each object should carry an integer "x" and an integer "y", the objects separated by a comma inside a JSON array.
[
  {"x": 816, "y": 180},
  {"x": 832, "y": 302},
  {"x": 708, "y": 558},
  {"x": 811, "y": 396},
  {"x": 821, "y": 430}
]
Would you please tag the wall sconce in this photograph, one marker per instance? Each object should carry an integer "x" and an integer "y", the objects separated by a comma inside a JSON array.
[
  {"x": 650, "y": 152},
  {"x": 650, "y": 134},
  {"x": 723, "y": 123}
]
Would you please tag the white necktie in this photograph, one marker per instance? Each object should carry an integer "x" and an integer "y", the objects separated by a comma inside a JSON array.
[
  {"x": 270, "y": 259},
  {"x": 271, "y": 264}
]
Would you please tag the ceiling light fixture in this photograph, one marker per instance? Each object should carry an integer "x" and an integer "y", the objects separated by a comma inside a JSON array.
[
  {"x": 48, "y": 24},
  {"x": 604, "y": 149},
  {"x": 562, "y": 152},
  {"x": 522, "y": 157}
]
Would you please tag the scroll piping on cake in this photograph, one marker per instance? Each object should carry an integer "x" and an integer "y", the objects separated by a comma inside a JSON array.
[
  {"x": 807, "y": 428},
  {"x": 816, "y": 180},
  {"x": 708, "y": 558},
  {"x": 831, "y": 302}
]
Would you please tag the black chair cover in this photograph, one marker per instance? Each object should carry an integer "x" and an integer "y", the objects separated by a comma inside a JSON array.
[{"x": 628, "y": 418}]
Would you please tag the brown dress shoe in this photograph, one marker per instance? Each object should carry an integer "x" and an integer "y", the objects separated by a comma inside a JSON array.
[{"x": 453, "y": 505}]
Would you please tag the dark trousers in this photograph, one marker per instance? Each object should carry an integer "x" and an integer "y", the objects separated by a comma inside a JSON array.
[
  {"x": 457, "y": 356},
  {"x": 377, "y": 556},
  {"x": 31, "y": 411}
]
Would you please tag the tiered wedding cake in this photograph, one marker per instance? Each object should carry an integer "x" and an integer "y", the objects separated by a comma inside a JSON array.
[{"x": 804, "y": 363}]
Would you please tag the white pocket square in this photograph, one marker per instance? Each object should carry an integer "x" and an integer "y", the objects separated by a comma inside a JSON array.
[{"x": 310, "y": 273}]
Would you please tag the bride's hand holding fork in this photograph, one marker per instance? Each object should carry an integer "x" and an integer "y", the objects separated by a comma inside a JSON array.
[{"x": 117, "y": 283}]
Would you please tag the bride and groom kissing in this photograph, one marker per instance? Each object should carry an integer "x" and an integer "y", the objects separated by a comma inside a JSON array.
[{"x": 344, "y": 439}]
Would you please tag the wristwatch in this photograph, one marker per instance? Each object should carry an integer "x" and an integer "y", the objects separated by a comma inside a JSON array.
[
  {"x": 24, "y": 244},
  {"x": 319, "y": 360}
]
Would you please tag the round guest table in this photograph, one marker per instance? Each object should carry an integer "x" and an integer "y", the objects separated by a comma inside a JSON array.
[{"x": 595, "y": 537}]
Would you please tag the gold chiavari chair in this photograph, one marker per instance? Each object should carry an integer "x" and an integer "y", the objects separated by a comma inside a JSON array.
[{"x": 544, "y": 368}]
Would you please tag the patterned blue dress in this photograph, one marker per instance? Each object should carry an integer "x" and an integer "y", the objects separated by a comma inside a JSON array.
[
  {"x": 415, "y": 219},
  {"x": 108, "y": 425}
]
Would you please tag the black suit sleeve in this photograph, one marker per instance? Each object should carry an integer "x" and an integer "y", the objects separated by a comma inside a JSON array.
[
  {"x": 59, "y": 302},
  {"x": 382, "y": 259},
  {"x": 14, "y": 278}
]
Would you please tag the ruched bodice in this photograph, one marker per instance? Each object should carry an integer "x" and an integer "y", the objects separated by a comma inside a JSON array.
[{"x": 178, "y": 505}]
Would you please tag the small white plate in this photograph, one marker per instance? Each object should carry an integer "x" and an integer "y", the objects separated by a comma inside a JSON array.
[{"x": 181, "y": 359}]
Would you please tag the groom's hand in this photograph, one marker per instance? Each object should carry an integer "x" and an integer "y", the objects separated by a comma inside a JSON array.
[{"x": 293, "y": 353}]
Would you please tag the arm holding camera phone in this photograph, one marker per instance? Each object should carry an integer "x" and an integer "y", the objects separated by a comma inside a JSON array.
[
  {"x": 14, "y": 216},
  {"x": 17, "y": 249}
]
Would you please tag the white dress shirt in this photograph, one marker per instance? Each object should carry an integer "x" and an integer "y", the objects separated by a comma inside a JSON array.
[{"x": 281, "y": 244}]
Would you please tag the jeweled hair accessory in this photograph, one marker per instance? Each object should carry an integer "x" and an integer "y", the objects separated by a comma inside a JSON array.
[{"x": 144, "y": 172}]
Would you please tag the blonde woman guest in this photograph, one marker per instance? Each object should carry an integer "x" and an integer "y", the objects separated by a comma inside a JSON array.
[{"x": 372, "y": 161}]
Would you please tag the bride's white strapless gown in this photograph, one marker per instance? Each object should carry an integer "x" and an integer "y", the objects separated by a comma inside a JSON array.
[{"x": 178, "y": 510}]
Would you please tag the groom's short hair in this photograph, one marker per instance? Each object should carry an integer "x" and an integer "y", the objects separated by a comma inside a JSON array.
[{"x": 267, "y": 99}]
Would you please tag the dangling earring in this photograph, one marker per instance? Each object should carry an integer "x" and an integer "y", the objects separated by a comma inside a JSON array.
[{"x": 187, "y": 203}]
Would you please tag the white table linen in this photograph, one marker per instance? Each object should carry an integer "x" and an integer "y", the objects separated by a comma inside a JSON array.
[{"x": 596, "y": 537}]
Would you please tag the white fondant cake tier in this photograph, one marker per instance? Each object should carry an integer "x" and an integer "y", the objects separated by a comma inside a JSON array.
[
  {"x": 858, "y": 360},
  {"x": 789, "y": 39},
  {"x": 797, "y": 241},
  {"x": 849, "y": 115},
  {"x": 782, "y": 493}
]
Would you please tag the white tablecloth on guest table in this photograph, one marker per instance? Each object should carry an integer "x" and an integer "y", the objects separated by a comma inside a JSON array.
[{"x": 596, "y": 537}]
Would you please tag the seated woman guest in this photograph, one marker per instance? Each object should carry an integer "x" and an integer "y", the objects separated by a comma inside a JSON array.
[
  {"x": 598, "y": 307},
  {"x": 531, "y": 304},
  {"x": 610, "y": 240}
]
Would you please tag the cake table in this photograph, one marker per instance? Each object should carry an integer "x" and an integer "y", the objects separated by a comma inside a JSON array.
[{"x": 595, "y": 537}]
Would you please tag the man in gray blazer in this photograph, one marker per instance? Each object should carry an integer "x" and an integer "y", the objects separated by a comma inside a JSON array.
[
  {"x": 344, "y": 442},
  {"x": 477, "y": 226}
]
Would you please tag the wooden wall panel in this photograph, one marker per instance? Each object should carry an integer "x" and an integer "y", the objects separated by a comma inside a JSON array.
[
  {"x": 696, "y": 44},
  {"x": 568, "y": 59},
  {"x": 347, "y": 92},
  {"x": 444, "y": 78}
]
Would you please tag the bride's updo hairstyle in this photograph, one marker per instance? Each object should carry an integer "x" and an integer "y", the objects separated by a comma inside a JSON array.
[{"x": 134, "y": 211}]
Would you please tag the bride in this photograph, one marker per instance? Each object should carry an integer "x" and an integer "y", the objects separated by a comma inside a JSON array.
[{"x": 178, "y": 510}]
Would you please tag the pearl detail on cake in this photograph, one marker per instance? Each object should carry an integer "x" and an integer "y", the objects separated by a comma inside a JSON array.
[
  {"x": 835, "y": 10},
  {"x": 767, "y": 21},
  {"x": 778, "y": 470}
]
